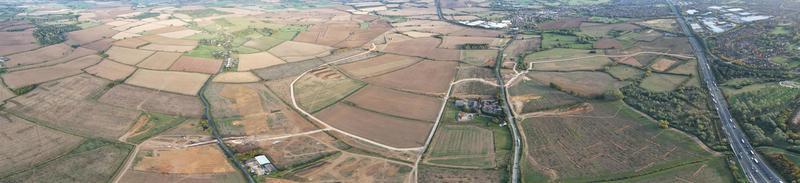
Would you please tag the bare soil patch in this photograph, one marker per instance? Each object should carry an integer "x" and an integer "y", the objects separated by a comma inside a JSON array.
[
  {"x": 257, "y": 60},
  {"x": 64, "y": 104},
  {"x": 662, "y": 64},
  {"x": 292, "y": 51},
  {"x": 580, "y": 83},
  {"x": 378, "y": 65},
  {"x": 397, "y": 103},
  {"x": 14, "y": 42},
  {"x": 395, "y": 132},
  {"x": 236, "y": 77},
  {"x": 131, "y": 43},
  {"x": 607, "y": 43},
  {"x": 422, "y": 47},
  {"x": 52, "y": 54},
  {"x": 23, "y": 78},
  {"x": 251, "y": 109},
  {"x": 426, "y": 76},
  {"x": 99, "y": 45},
  {"x": 178, "y": 82},
  {"x": 159, "y": 60},
  {"x": 21, "y": 138},
  {"x": 192, "y": 160},
  {"x": 351, "y": 168},
  {"x": 84, "y": 36},
  {"x": 149, "y": 100},
  {"x": 128, "y": 56},
  {"x": 111, "y": 70},
  {"x": 195, "y": 64}
]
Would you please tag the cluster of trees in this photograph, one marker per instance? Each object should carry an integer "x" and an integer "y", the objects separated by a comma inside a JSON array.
[
  {"x": 765, "y": 114},
  {"x": 146, "y": 15},
  {"x": 679, "y": 108},
  {"x": 473, "y": 46},
  {"x": 725, "y": 71},
  {"x": 223, "y": 41},
  {"x": 53, "y": 34},
  {"x": 785, "y": 166}
]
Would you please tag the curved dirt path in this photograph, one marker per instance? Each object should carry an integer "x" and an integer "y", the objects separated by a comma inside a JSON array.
[{"x": 326, "y": 125}]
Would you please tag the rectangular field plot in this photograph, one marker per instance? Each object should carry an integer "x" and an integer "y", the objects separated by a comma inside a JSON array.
[
  {"x": 21, "y": 138},
  {"x": 27, "y": 77},
  {"x": 462, "y": 145},
  {"x": 391, "y": 131},
  {"x": 98, "y": 161},
  {"x": 128, "y": 56},
  {"x": 134, "y": 176},
  {"x": 138, "y": 98},
  {"x": 453, "y": 42},
  {"x": 607, "y": 140},
  {"x": 712, "y": 170},
  {"x": 662, "y": 82},
  {"x": 426, "y": 77},
  {"x": 111, "y": 70},
  {"x": 178, "y": 82},
  {"x": 190, "y": 160},
  {"x": 353, "y": 168},
  {"x": 437, "y": 174},
  {"x": 251, "y": 109},
  {"x": 622, "y": 72},
  {"x": 533, "y": 96},
  {"x": 64, "y": 104},
  {"x": 298, "y": 150},
  {"x": 378, "y": 65},
  {"x": 321, "y": 88},
  {"x": 579, "y": 83},
  {"x": 397, "y": 103}
]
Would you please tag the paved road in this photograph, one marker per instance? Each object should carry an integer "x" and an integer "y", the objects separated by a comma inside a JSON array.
[
  {"x": 215, "y": 132},
  {"x": 511, "y": 119},
  {"x": 751, "y": 163}
]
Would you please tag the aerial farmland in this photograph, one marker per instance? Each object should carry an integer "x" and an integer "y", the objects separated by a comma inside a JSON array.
[{"x": 400, "y": 91}]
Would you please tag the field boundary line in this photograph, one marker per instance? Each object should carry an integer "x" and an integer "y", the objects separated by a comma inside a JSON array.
[
  {"x": 415, "y": 169},
  {"x": 326, "y": 125}
]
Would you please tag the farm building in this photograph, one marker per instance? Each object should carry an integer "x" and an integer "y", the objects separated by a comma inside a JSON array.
[
  {"x": 465, "y": 116},
  {"x": 260, "y": 165},
  {"x": 490, "y": 107}
]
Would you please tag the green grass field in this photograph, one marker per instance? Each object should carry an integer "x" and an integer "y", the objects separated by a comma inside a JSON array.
[
  {"x": 202, "y": 51},
  {"x": 315, "y": 94},
  {"x": 558, "y": 54},
  {"x": 532, "y": 96},
  {"x": 624, "y": 72},
  {"x": 662, "y": 82},
  {"x": 156, "y": 124},
  {"x": 478, "y": 57},
  {"x": 463, "y": 145},
  {"x": 552, "y": 40},
  {"x": 201, "y": 13}
]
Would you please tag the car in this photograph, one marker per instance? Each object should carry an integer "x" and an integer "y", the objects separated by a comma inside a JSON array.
[
  {"x": 742, "y": 141},
  {"x": 756, "y": 161}
]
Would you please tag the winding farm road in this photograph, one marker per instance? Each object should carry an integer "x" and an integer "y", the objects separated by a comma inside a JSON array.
[{"x": 326, "y": 125}]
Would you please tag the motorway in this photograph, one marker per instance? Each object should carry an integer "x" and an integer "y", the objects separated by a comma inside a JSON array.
[{"x": 751, "y": 163}]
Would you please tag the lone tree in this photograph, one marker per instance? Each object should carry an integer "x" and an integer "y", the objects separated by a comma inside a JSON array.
[{"x": 663, "y": 124}]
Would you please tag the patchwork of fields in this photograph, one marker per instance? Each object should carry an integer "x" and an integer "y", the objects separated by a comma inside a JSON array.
[{"x": 348, "y": 92}]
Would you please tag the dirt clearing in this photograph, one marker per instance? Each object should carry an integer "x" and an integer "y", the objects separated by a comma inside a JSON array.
[{"x": 178, "y": 82}]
